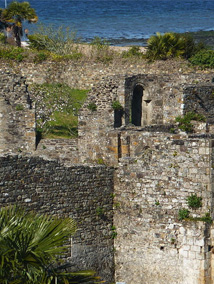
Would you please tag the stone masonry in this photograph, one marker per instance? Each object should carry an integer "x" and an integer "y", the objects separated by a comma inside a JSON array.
[{"x": 128, "y": 208}]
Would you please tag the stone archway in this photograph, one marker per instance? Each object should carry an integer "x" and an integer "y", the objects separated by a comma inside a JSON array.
[{"x": 136, "y": 106}]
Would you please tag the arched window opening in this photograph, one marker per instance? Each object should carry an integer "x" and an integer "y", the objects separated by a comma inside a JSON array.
[{"x": 136, "y": 107}]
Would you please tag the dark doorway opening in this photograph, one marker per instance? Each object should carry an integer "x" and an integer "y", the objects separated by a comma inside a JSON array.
[
  {"x": 118, "y": 113},
  {"x": 136, "y": 110}
]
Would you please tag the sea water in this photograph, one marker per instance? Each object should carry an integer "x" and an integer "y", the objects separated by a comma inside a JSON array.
[{"x": 121, "y": 21}]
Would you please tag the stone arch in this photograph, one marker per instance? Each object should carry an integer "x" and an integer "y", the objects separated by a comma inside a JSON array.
[{"x": 136, "y": 105}]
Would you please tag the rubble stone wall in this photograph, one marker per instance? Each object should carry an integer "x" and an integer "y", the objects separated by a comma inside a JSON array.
[
  {"x": 151, "y": 185},
  {"x": 81, "y": 192},
  {"x": 17, "y": 115}
]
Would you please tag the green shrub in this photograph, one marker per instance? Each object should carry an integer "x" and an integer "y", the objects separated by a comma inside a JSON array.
[
  {"x": 194, "y": 201},
  {"x": 2, "y": 38},
  {"x": 92, "y": 106},
  {"x": 204, "y": 58},
  {"x": 40, "y": 57},
  {"x": 134, "y": 51},
  {"x": 170, "y": 45},
  {"x": 99, "y": 211},
  {"x": 13, "y": 53},
  {"x": 59, "y": 41},
  {"x": 19, "y": 107},
  {"x": 185, "y": 121},
  {"x": 100, "y": 50},
  {"x": 38, "y": 41},
  {"x": 183, "y": 214},
  {"x": 116, "y": 105}
]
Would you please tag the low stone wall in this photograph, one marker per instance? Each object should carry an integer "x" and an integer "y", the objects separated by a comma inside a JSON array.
[
  {"x": 81, "y": 192},
  {"x": 64, "y": 150},
  {"x": 84, "y": 74}
]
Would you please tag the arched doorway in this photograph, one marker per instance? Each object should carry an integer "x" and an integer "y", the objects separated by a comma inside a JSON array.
[{"x": 136, "y": 107}]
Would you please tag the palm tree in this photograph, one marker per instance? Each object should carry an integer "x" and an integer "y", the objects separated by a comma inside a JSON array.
[
  {"x": 16, "y": 13},
  {"x": 30, "y": 246}
]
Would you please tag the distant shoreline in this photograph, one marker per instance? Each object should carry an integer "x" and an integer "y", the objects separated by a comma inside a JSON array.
[{"x": 207, "y": 37}]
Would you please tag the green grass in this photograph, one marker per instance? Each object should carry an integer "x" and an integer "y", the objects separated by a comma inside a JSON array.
[{"x": 60, "y": 105}]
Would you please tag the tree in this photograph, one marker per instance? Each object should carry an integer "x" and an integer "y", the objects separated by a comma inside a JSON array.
[
  {"x": 19, "y": 12},
  {"x": 30, "y": 247},
  {"x": 16, "y": 13}
]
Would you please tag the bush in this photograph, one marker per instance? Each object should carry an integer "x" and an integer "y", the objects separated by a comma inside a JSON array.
[
  {"x": 40, "y": 57},
  {"x": 185, "y": 121},
  {"x": 100, "y": 50},
  {"x": 59, "y": 41},
  {"x": 116, "y": 105},
  {"x": 194, "y": 201},
  {"x": 170, "y": 45},
  {"x": 11, "y": 52},
  {"x": 183, "y": 214},
  {"x": 203, "y": 58},
  {"x": 2, "y": 38},
  {"x": 134, "y": 51},
  {"x": 92, "y": 106}
]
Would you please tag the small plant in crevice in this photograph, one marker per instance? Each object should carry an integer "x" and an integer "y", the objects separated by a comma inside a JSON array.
[
  {"x": 157, "y": 202},
  {"x": 206, "y": 218},
  {"x": 183, "y": 214},
  {"x": 116, "y": 205},
  {"x": 19, "y": 107},
  {"x": 92, "y": 106},
  {"x": 185, "y": 121},
  {"x": 194, "y": 201},
  {"x": 172, "y": 241},
  {"x": 113, "y": 232},
  {"x": 175, "y": 153},
  {"x": 100, "y": 161},
  {"x": 116, "y": 105},
  {"x": 99, "y": 211}
]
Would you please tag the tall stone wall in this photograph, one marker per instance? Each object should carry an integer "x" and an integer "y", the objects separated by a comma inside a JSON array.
[
  {"x": 17, "y": 115},
  {"x": 151, "y": 186},
  {"x": 83, "y": 193},
  {"x": 162, "y": 99},
  {"x": 200, "y": 99}
]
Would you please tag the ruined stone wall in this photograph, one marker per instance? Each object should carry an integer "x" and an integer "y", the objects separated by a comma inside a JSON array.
[
  {"x": 163, "y": 99},
  {"x": 151, "y": 186},
  {"x": 83, "y": 193},
  {"x": 65, "y": 150},
  {"x": 85, "y": 74},
  {"x": 17, "y": 115},
  {"x": 200, "y": 99}
]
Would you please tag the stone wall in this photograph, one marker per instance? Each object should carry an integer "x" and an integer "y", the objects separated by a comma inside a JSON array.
[
  {"x": 200, "y": 99},
  {"x": 162, "y": 99},
  {"x": 151, "y": 186},
  {"x": 17, "y": 115},
  {"x": 85, "y": 74},
  {"x": 83, "y": 193},
  {"x": 65, "y": 150}
]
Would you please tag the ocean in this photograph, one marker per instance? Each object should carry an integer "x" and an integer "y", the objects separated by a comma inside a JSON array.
[{"x": 124, "y": 21}]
